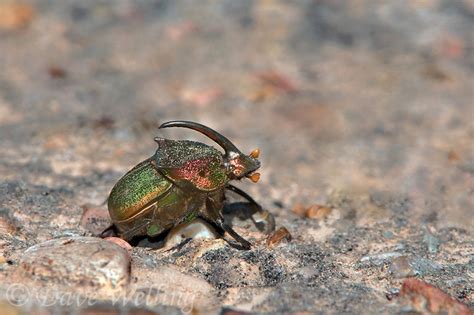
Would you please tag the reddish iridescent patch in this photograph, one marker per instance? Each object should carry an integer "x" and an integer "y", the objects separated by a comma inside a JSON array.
[{"x": 203, "y": 173}]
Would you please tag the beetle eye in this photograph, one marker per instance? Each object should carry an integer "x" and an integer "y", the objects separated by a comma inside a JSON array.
[{"x": 255, "y": 153}]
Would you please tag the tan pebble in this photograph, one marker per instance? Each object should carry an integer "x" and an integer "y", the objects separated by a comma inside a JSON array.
[
  {"x": 317, "y": 212},
  {"x": 278, "y": 236},
  {"x": 120, "y": 242},
  {"x": 299, "y": 209},
  {"x": 15, "y": 15},
  {"x": 453, "y": 156}
]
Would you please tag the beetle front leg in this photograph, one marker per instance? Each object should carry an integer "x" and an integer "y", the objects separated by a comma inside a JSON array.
[
  {"x": 265, "y": 215},
  {"x": 218, "y": 219}
]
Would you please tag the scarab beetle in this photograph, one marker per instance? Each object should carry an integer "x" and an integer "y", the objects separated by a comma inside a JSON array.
[{"x": 181, "y": 181}]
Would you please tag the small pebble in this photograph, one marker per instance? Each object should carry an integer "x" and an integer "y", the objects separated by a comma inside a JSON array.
[
  {"x": 317, "y": 212},
  {"x": 120, "y": 242},
  {"x": 197, "y": 229},
  {"x": 404, "y": 266},
  {"x": 428, "y": 299},
  {"x": 77, "y": 261},
  {"x": 15, "y": 15},
  {"x": 431, "y": 242},
  {"x": 299, "y": 209},
  {"x": 392, "y": 293},
  {"x": 312, "y": 212},
  {"x": 379, "y": 259},
  {"x": 401, "y": 268},
  {"x": 278, "y": 236}
]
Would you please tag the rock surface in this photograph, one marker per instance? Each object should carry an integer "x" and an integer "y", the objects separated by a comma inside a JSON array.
[
  {"x": 362, "y": 111},
  {"x": 84, "y": 261}
]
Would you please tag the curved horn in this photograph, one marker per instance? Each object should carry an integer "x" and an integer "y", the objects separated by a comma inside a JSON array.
[{"x": 214, "y": 135}]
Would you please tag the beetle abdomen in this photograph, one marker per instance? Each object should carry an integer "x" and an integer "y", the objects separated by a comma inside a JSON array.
[{"x": 136, "y": 190}]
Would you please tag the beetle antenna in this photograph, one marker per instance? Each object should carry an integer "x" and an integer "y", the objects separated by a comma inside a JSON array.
[{"x": 214, "y": 135}]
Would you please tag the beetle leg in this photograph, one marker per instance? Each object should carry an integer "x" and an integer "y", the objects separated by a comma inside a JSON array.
[
  {"x": 245, "y": 244},
  {"x": 265, "y": 215},
  {"x": 218, "y": 219},
  {"x": 242, "y": 193},
  {"x": 109, "y": 231}
]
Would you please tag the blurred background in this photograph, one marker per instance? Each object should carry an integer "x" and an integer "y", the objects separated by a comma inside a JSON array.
[
  {"x": 365, "y": 106},
  {"x": 357, "y": 96}
]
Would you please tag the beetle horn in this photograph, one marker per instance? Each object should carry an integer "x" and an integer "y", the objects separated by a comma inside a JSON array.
[{"x": 214, "y": 135}]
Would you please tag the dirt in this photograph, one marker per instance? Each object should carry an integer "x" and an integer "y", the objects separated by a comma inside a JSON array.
[{"x": 363, "y": 113}]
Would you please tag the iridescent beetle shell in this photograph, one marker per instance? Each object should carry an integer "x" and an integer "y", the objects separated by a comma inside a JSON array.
[{"x": 181, "y": 181}]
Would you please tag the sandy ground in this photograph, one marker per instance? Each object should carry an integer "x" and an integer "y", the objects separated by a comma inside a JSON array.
[{"x": 363, "y": 112}]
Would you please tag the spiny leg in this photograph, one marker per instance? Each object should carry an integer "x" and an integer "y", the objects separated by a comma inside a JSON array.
[
  {"x": 265, "y": 214},
  {"x": 218, "y": 219}
]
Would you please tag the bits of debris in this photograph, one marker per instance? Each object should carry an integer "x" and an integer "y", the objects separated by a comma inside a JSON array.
[
  {"x": 56, "y": 72},
  {"x": 278, "y": 236},
  {"x": 104, "y": 122},
  {"x": 453, "y": 156},
  {"x": 277, "y": 81}
]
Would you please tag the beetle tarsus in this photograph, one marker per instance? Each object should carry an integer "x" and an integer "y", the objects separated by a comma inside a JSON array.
[
  {"x": 243, "y": 242},
  {"x": 109, "y": 231},
  {"x": 180, "y": 245},
  {"x": 219, "y": 220}
]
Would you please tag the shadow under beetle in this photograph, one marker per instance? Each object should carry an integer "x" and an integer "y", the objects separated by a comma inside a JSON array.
[{"x": 181, "y": 181}]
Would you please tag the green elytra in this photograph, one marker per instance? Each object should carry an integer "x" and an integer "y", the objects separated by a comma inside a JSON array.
[{"x": 181, "y": 181}]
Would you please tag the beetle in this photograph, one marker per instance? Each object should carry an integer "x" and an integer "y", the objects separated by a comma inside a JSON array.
[{"x": 183, "y": 180}]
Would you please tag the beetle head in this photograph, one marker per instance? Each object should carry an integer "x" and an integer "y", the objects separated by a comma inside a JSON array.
[{"x": 238, "y": 165}]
